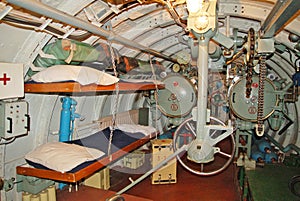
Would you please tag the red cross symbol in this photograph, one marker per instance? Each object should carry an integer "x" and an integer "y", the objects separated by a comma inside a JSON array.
[{"x": 4, "y": 79}]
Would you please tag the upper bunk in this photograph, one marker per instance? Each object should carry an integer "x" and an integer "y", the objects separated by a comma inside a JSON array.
[
  {"x": 72, "y": 79},
  {"x": 75, "y": 87},
  {"x": 69, "y": 66}
]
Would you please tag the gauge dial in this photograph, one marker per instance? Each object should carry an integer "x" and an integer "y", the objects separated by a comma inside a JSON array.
[{"x": 183, "y": 57}]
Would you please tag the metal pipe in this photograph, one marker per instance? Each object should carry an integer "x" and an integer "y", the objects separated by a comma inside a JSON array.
[
  {"x": 65, "y": 119},
  {"x": 285, "y": 149},
  {"x": 202, "y": 64},
  {"x": 42, "y": 9},
  {"x": 65, "y": 123},
  {"x": 282, "y": 12}
]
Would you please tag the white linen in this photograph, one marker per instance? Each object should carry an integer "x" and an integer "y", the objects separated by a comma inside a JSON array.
[
  {"x": 82, "y": 74},
  {"x": 134, "y": 128},
  {"x": 61, "y": 156}
]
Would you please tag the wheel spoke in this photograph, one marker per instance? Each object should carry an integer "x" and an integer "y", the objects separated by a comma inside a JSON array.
[
  {"x": 224, "y": 154},
  {"x": 188, "y": 129},
  {"x": 202, "y": 167},
  {"x": 191, "y": 128}
]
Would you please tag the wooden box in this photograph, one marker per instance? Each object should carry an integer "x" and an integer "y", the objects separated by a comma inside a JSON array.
[
  {"x": 134, "y": 160},
  {"x": 99, "y": 180},
  {"x": 161, "y": 149}
]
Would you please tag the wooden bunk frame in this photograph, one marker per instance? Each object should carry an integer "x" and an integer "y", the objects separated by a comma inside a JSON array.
[
  {"x": 74, "y": 88},
  {"x": 130, "y": 117},
  {"x": 85, "y": 172}
]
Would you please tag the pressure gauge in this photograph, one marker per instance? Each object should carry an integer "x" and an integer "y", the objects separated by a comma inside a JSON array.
[
  {"x": 178, "y": 98},
  {"x": 183, "y": 57},
  {"x": 176, "y": 68},
  {"x": 247, "y": 108}
]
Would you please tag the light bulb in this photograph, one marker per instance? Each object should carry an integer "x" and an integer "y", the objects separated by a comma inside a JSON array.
[
  {"x": 202, "y": 21},
  {"x": 194, "y": 5}
]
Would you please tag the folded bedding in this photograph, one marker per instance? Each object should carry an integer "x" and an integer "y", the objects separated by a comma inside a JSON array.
[{"x": 81, "y": 74}]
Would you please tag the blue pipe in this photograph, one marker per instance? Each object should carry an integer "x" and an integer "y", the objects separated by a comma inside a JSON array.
[
  {"x": 257, "y": 156},
  {"x": 271, "y": 157},
  {"x": 282, "y": 148},
  {"x": 263, "y": 146},
  {"x": 67, "y": 117}
]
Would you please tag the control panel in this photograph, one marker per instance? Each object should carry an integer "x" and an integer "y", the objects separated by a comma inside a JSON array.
[{"x": 14, "y": 118}]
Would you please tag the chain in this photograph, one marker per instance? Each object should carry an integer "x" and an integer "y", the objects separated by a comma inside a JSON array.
[
  {"x": 156, "y": 93},
  {"x": 115, "y": 105},
  {"x": 260, "y": 103},
  {"x": 250, "y": 60},
  {"x": 262, "y": 78},
  {"x": 249, "y": 81}
]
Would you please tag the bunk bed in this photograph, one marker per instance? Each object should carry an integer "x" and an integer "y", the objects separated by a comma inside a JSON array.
[
  {"x": 77, "y": 174},
  {"x": 66, "y": 79},
  {"x": 75, "y": 87},
  {"x": 130, "y": 117}
]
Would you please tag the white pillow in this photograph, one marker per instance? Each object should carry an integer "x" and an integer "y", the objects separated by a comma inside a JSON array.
[
  {"x": 82, "y": 74},
  {"x": 61, "y": 156}
]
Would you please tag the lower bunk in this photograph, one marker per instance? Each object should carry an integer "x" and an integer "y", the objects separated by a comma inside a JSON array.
[{"x": 128, "y": 136}]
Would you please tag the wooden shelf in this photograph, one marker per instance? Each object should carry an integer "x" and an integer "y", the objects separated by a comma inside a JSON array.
[{"x": 74, "y": 87}]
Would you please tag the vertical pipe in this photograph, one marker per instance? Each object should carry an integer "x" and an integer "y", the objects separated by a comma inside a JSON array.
[
  {"x": 202, "y": 64},
  {"x": 65, "y": 119},
  {"x": 65, "y": 123},
  {"x": 228, "y": 26}
]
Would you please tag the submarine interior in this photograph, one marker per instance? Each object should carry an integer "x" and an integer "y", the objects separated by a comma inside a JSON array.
[{"x": 216, "y": 81}]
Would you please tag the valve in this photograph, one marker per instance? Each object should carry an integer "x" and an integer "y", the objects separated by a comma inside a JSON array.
[
  {"x": 264, "y": 146},
  {"x": 271, "y": 157},
  {"x": 276, "y": 120},
  {"x": 258, "y": 156},
  {"x": 7, "y": 185}
]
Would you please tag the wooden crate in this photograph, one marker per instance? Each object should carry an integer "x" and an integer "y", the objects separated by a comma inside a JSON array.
[
  {"x": 161, "y": 149},
  {"x": 99, "y": 180},
  {"x": 134, "y": 160}
]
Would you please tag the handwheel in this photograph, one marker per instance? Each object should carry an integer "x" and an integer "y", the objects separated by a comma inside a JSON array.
[
  {"x": 186, "y": 133},
  {"x": 294, "y": 185}
]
